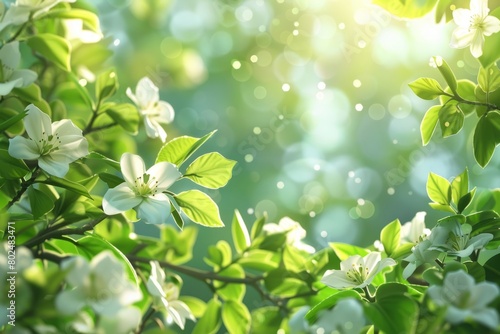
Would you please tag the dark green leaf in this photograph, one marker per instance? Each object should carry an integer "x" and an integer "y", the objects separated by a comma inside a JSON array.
[
  {"x": 177, "y": 218},
  {"x": 266, "y": 320},
  {"x": 12, "y": 168},
  {"x": 30, "y": 94},
  {"x": 12, "y": 120},
  {"x": 111, "y": 179},
  {"x": 40, "y": 203},
  {"x": 67, "y": 184},
  {"x": 486, "y": 137}
]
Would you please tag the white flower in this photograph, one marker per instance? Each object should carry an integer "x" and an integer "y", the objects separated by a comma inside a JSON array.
[
  {"x": 166, "y": 297},
  {"x": 294, "y": 233},
  {"x": 473, "y": 25},
  {"x": 414, "y": 231},
  {"x": 38, "y": 7},
  {"x": 74, "y": 31},
  {"x": 466, "y": 300},
  {"x": 356, "y": 271},
  {"x": 153, "y": 111},
  {"x": 101, "y": 284},
  {"x": 142, "y": 190},
  {"x": 124, "y": 322},
  {"x": 54, "y": 145},
  {"x": 346, "y": 317},
  {"x": 14, "y": 16},
  {"x": 10, "y": 76},
  {"x": 420, "y": 255}
]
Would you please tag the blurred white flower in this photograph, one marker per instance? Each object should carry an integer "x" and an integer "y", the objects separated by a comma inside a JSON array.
[
  {"x": 414, "y": 231},
  {"x": 166, "y": 297},
  {"x": 13, "y": 16},
  {"x": 420, "y": 255},
  {"x": 473, "y": 25},
  {"x": 142, "y": 190},
  {"x": 346, "y": 317},
  {"x": 75, "y": 31},
  {"x": 101, "y": 284},
  {"x": 153, "y": 111},
  {"x": 464, "y": 300},
  {"x": 356, "y": 271},
  {"x": 10, "y": 76},
  {"x": 38, "y": 7},
  {"x": 294, "y": 233},
  {"x": 54, "y": 145}
]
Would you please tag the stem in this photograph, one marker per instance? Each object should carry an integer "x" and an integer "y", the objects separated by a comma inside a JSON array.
[
  {"x": 490, "y": 106},
  {"x": 145, "y": 319},
  {"x": 16, "y": 35},
  {"x": 368, "y": 296},
  {"x": 51, "y": 233},
  {"x": 440, "y": 264},
  {"x": 24, "y": 186},
  {"x": 95, "y": 115},
  {"x": 99, "y": 128}
]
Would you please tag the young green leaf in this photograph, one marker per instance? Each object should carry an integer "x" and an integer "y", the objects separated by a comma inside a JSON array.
[
  {"x": 177, "y": 217},
  {"x": 426, "y": 88},
  {"x": 231, "y": 291},
  {"x": 125, "y": 115},
  {"x": 343, "y": 251},
  {"x": 489, "y": 78},
  {"x": 465, "y": 200},
  {"x": 236, "y": 317},
  {"x": 199, "y": 207},
  {"x": 67, "y": 184},
  {"x": 211, "y": 170},
  {"x": 486, "y": 137},
  {"x": 210, "y": 322},
  {"x": 460, "y": 186},
  {"x": 52, "y": 47},
  {"x": 390, "y": 236},
  {"x": 428, "y": 125},
  {"x": 330, "y": 302},
  {"x": 30, "y": 94},
  {"x": 106, "y": 85},
  {"x": 447, "y": 74},
  {"x": 40, "y": 203},
  {"x": 11, "y": 168},
  {"x": 451, "y": 119},
  {"x": 90, "y": 19},
  {"x": 179, "y": 149},
  {"x": 15, "y": 118},
  {"x": 438, "y": 189},
  {"x": 241, "y": 238}
]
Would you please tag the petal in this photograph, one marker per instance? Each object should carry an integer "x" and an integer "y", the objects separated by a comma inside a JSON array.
[
  {"x": 37, "y": 123},
  {"x": 476, "y": 46},
  {"x": 131, "y": 96},
  {"x": 337, "y": 279},
  {"x": 120, "y": 199},
  {"x": 10, "y": 55},
  {"x": 23, "y": 148},
  {"x": 146, "y": 93},
  {"x": 479, "y": 7},
  {"x": 486, "y": 316},
  {"x": 125, "y": 321},
  {"x": 72, "y": 148},
  {"x": 153, "y": 128},
  {"x": 70, "y": 302},
  {"x": 371, "y": 261},
  {"x": 154, "y": 288},
  {"x": 165, "y": 112},
  {"x": 132, "y": 167},
  {"x": 53, "y": 166},
  {"x": 350, "y": 262},
  {"x": 462, "y": 17},
  {"x": 179, "y": 312},
  {"x": 27, "y": 77},
  {"x": 7, "y": 87},
  {"x": 107, "y": 265},
  {"x": 409, "y": 270},
  {"x": 78, "y": 270},
  {"x": 154, "y": 209},
  {"x": 462, "y": 37},
  {"x": 165, "y": 173},
  {"x": 65, "y": 128},
  {"x": 456, "y": 315},
  {"x": 491, "y": 25},
  {"x": 480, "y": 240},
  {"x": 482, "y": 294}
]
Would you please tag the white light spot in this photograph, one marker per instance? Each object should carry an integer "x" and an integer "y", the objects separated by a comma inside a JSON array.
[
  {"x": 312, "y": 214},
  {"x": 324, "y": 234},
  {"x": 358, "y": 107},
  {"x": 254, "y": 58},
  {"x": 351, "y": 174},
  {"x": 248, "y": 158},
  {"x": 361, "y": 201},
  {"x": 250, "y": 211},
  {"x": 362, "y": 44},
  {"x": 317, "y": 167},
  {"x": 321, "y": 85},
  {"x": 391, "y": 191},
  {"x": 116, "y": 42},
  {"x": 341, "y": 25},
  {"x": 295, "y": 32},
  {"x": 280, "y": 185},
  {"x": 285, "y": 87},
  {"x": 236, "y": 64},
  {"x": 83, "y": 82},
  {"x": 356, "y": 83},
  {"x": 357, "y": 180},
  {"x": 395, "y": 141},
  {"x": 257, "y": 130}
]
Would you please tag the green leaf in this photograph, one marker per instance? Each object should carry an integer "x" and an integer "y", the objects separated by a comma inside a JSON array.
[
  {"x": 438, "y": 189},
  {"x": 52, "y": 47},
  {"x": 344, "y": 251},
  {"x": 210, "y": 322},
  {"x": 442, "y": 207},
  {"x": 106, "y": 85},
  {"x": 89, "y": 19},
  {"x": 67, "y": 184},
  {"x": 476, "y": 270},
  {"x": 406, "y": 9},
  {"x": 257, "y": 226},
  {"x": 106, "y": 160},
  {"x": 196, "y": 305},
  {"x": 211, "y": 170},
  {"x": 390, "y": 236},
  {"x": 231, "y": 291},
  {"x": 491, "y": 43},
  {"x": 393, "y": 313},
  {"x": 179, "y": 149},
  {"x": 236, "y": 317},
  {"x": 330, "y": 302},
  {"x": 11, "y": 168},
  {"x": 429, "y": 122},
  {"x": 30, "y": 94},
  {"x": 266, "y": 320},
  {"x": 40, "y": 203},
  {"x": 489, "y": 78},
  {"x": 12, "y": 120},
  {"x": 451, "y": 119},
  {"x": 465, "y": 200},
  {"x": 241, "y": 238},
  {"x": 111, "y": 179},
  {"x": 126, "y": 115},
  {"x": 177, "y": 217},
  {"x": 486, "y": 137},
  {"x": 199, "y": 207},
  {"x": 426, "y": 88},
  {"x": 259, "y": 259},
  {"x": 492, "y": 269},
  {"x": 460, "y": 186},
  {"x": 448, "y": 75}
]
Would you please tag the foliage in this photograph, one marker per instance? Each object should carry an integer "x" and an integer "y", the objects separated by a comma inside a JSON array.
[{"x": 73, "y": 261}]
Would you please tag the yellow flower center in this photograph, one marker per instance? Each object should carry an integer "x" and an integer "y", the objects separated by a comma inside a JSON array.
[
  {"x": 357, "y": 273},
  {"x": 146, "y": 185}
]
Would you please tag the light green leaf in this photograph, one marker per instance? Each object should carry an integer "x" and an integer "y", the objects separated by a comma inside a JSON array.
[
  {"x": 428, "y": 125},
  {"x": 30, "y": 94},
  {"x": 196, "y": 305},
  {"x": 98, "y": 156},
  {"x": 126, "y": 115},
  {"x": 53, "y": 48},
  {"x": 111, "y": 179},
  {"x": 406, "y": 9},
  {"x": 231, "y": 291},
  {"x": 89, "y": 19},
  {"x": 211, "y": 170},
  {"x": 261, "y": 260},
  {"x": 266, "y": 320},
  {"x": 390, "y": 236},
  {"x": 210, "y": 322},
  {"x": 491, "y": 43},
  {"x": 438, "y": 189},
  {"x": 460, "y": 186},
  {"x": 489, "y": 78},
  {"x": 67, "y": 184},
  {"x": 451, "y": 119},
  {"x": 179, "y": 149},
  {"x": 426, "y": 88},
  {"x": 330, "y": 302},
  {"x": 236, "y": 317},
  {"x": 486, "y": 137},
  {"x": 344, "y": 251},
  {"x": 11, "y": 168},
  {"x": 241, "y": 238},
  {"x": 12, "y": 120},
  {"x": 106, "y": 85},
  {"x": 40, "y": 203},
  {"x": 199, "y": 207},
  {"x": 448, "y": 76}
]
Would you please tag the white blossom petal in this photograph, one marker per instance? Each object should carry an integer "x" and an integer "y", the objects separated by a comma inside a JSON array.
[
  {"x": 120, "y": 199},
  {"x": 165, "y": 111},
  {"x": 23, "y": 148},
  {"x": 165, "y": 173},
  {"x": 491, "y": 25},
  {"x": 154, "y": 209},
  {"x": 132, "y": 167},
  {"x": 337, "y": 279},
  {"x": 461, "y": 17},
  {"x": 37, "y": 123},
  {"x": 461, "y": 38},
  {"x": 146, "y": 93},
  {"x": 27, "y": 77},
  {"x": 53, "y": 166},
  {"x": 70, "y": 301}
]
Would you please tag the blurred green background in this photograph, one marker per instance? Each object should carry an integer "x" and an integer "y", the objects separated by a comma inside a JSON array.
[{"x": 311, "y": 99}]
